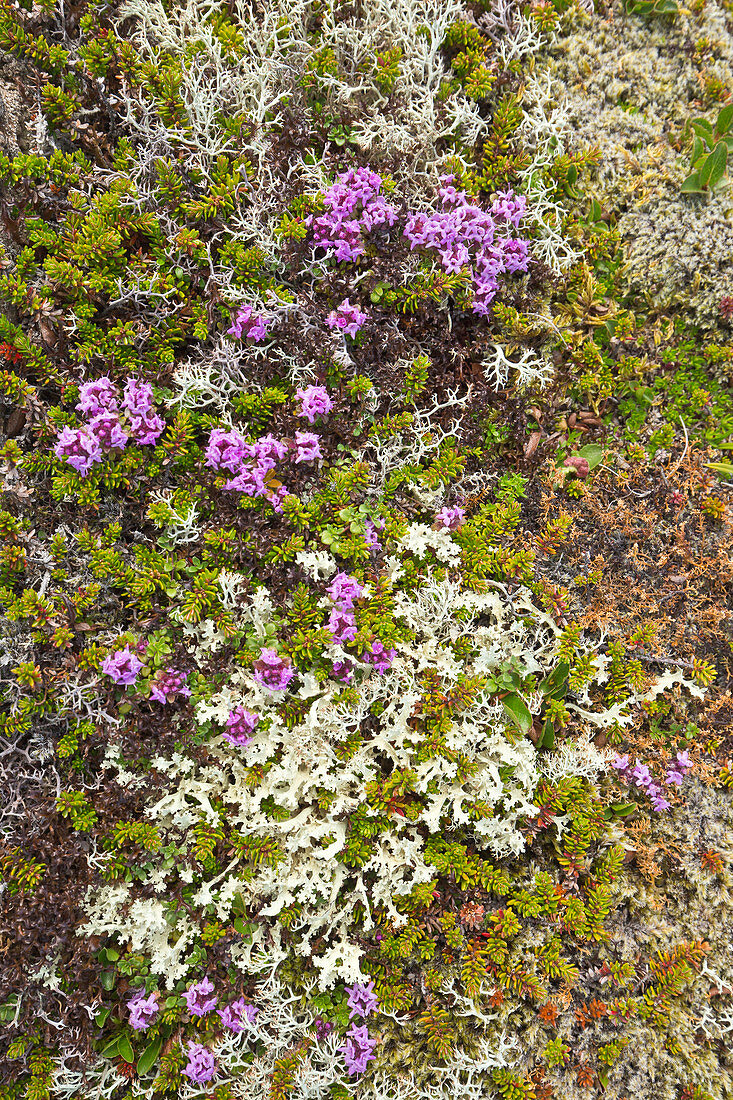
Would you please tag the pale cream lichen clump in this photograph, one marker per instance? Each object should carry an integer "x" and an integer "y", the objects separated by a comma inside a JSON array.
[{"x": 631, "y": 87}]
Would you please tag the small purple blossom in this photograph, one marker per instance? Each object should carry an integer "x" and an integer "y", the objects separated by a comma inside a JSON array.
[
  {"x": 269, "y": 449},
  {"x": 308, "y": 447},
  {"x": 357, "y": 1050},
  {"x": 138, "y": 398},
  {"x": 240, "y": 727},
  {"x": 247, "y": 323},
  {"x": 198, "y": 999},
  {"x": 314, "y": 401},
  {"x": 143, "y": 1010},
  {"x": 642, "y": 776},
  {"x": 658, "y": 801},
  {"x": 361, "y": 999},
  {"x": 272, "y": 671},
  {"x": 122, "y": 665},
  {"x": 622, "y": 764},
  {"x": 227, "y": 450},
  {"x": 674, "y": 777},
  {"x": 237, "y": 1015},
  {"x": 202, "y": 1064},
  {"x": 450, "y": 518},
  {"x": 323, "y": 1027},
  {"x": 107, "y": 430},
  {"x": 147, "y": 429},
  {"x": 379, "y": 657},
  {"x": 349, "y": 319},
  {"x": 370, "y": 535},
  {"x": 343, "y": 671},
  {"x": 342, "y": 624},
  {"x": 168, "y": 684},
  {"x": 344, "y": 589},
  {"x": 98, "y": 397},
  {"x": 79, "y": 448},
  {"x": 683, "y": 761},
  {"x": 353, "y": 205}
]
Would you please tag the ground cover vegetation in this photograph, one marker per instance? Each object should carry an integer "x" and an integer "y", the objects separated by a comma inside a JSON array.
[{"x": 365, "y": 569}]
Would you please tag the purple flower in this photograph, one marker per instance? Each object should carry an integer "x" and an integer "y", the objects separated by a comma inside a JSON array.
[
  {"x": 138, "y": 397},
  {"x": 240, "y": 726},
  {"x": 621, "y": 763},
  {"x": 98, "y": 397},
  {"x": 107, "y": 429},
  {"x": 342, "y": 624},
  {"x": 272, "y": 671},
  {"x": 314, "y": 401},
  {"x": 197, "y": 997},
  {"x": 379, "y": 657},
  {"x": 249, "y": 324},
  {"x": 450, "y": 518},
  {"x": 349, "y": 319},
  {"x": 344, "y": 589},
  {"x": 642, "y": 777},
  {"x": 353, "y": 205},
  {"x": 357, "y": 1050},
  {"x": 227, "y": 450},
  {"x": 202, "y": 1064},
  {"x": 308, "y": 447},
  {"x": 323, "y": 1027},
  {"x": 343, "y": 671},
  {"x": 361, "y": 1000},
  {"x": 237, "y": 1015},
  {"x": 168, "y": 684},
  {"x": 370, "y": 535},
  {"x": 509, "y": 206},
  {"x": 122, "y": 665},
  {"x": 148, "y": 428},
  {"x": 143, "y": 1010},
  {"x": 659, "y": 803},
  {"x": 683, "y": 761},
  {"x": 674, "y": 777},
  {"x": 269, "y": 449},
  {"x": 79, "y": 448}
]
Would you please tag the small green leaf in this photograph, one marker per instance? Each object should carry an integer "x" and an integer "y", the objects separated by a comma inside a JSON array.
[
  {"x": 692, "y": 185},
  {"x": 725, "y": 469},
  {"x": 725, "y": 119},
  {"x": 518, "y": 713},
  {"x": 101, "y": 1018},
  {"x": 556, "y": 684},
  {"x": 714, "y": 165},
  {"x": 112, "y": 1049},
  {"x": 547, "y": 737},
  {"x": 107, "y": 979},
  {"x": 125, "y": 1048},
  {"x": 148, "y": 1058},
  {"x": 593, "y": 454},
  {"x": 702, "y": 128},
  {"x": 623, "y": 809}
]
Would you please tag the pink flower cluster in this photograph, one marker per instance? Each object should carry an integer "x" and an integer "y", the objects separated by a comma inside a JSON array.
[
  {"x": 247, "y": 323},
  {"x": 640, "y": 775},
  {"x": 314, "y": 401},
  {"x": 450, "y": 519},
  {"x": 240, "y": 727},
  {"x": 253, "y": 463},
  {"x": 465, "y": 236},
  {"x": 143, "y": 1010},
  {"x": 105, "y": 428},
  {"x": 349, "y": 319},
  {"x": 123, "y": 666},
  {"x": 357, "y": 1050},
  {"x": 361, "y": 999},
  {"x": 202, "y": 1065},
  {"x": 272, "y": 671},
  {"x": 354, "y": 206},
  {"x": 168, "y": 684}
]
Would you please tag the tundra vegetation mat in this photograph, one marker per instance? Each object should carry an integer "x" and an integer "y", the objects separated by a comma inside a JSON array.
[{"x": 366, "y": 425}]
